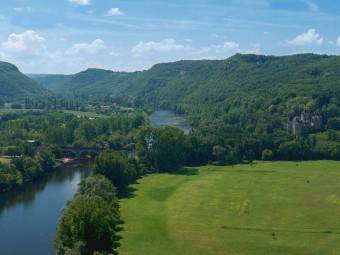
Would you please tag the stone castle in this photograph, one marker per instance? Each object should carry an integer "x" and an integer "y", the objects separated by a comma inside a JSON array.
[{"x": 305, "y": 123}]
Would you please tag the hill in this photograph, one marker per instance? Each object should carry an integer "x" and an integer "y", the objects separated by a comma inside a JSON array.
[
  {"x": 15, "y": 85},
  {"x": 49, "y": 81},
  {"x": 242, "y": 80},
  {"x": 92, "y": 83}
]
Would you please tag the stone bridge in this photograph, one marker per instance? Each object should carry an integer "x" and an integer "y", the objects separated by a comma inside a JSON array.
[{"x": 80, "y": 152}]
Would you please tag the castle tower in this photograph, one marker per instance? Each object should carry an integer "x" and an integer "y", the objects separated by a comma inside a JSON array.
[
  {"x": 316, "y": 122},
  {"x": 305, "y": 116}
]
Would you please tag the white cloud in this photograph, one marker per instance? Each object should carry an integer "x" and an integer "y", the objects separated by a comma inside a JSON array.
[
  {"x": 114, "y": 12},
  {"x": 227, "y": 46},
  {"x": 22, "y": 10},
  {"x": 80, "y": 2},
  {"x": 312, "y": 6},
  {"x": 18, "y": 9},
  {"x": 114, "y": 54},
  {"x": 163, "y": 46},
  {"x": 60, "y": 39},
  {"x": 311, "y": 37},
  {"x": 255, "y": 49},
  {"x": 29, "y": 43},
  {"x": 338, "y": 41},
  {"x": 90, "y": 48}
]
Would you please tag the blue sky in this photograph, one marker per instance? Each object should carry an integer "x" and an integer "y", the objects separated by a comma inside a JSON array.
[{"x": 68, "y": 36}]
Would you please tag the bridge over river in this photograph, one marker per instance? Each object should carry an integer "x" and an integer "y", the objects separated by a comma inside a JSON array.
[{"x": 80, "y": 152}]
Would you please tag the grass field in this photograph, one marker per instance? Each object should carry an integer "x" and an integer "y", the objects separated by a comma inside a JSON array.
[
  {"x": 5, "y": 160},
  {"x": 4, "y": 111},
  {"x": 269, "y": 208},
  {"x": 77, "y": 113}
]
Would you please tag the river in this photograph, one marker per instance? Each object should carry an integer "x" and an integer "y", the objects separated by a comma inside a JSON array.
[
  {"x": 28, "y": 216},
  {"x": 168, "y": 118}
]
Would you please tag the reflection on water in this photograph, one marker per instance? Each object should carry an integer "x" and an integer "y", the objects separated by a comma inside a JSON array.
[
  {"x": 168, "y": 118},
  {"x": 28, "y": 216}
]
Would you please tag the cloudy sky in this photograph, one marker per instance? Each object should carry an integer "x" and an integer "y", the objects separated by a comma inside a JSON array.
[{"x": 68, "y": 36}]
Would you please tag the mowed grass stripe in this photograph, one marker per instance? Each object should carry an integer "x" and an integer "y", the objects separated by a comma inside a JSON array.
[{"x": 236, "y": 210}]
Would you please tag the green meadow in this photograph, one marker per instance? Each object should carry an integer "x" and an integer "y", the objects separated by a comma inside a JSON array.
[
  {"x": 5, "y": 160},
  {"x": 267, "y": 208},
  {"x": 76, "y": 113}
]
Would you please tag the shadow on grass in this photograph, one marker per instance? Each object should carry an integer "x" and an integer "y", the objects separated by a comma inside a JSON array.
[
  {"x": 129, "y": 192},
  {"x": 256, "y": 171},
  {"x": 296, "y": 230},
  {"x": 186, "y": 171}
]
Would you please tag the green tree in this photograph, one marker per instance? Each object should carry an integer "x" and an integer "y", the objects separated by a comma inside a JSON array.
[
  {"x": 220, "y": 153},
  {"x": 100, "y": 186},
  {"x": 47, "y": 160},
  {"x": 117, "y": 167},
  {"x": 26, "y": 149},
  {"x": 267, "y": 155},
  {"x": 10, "y": 177},
  {"x": 89, "y": 221},
  {"x": 168, "y": 149}
]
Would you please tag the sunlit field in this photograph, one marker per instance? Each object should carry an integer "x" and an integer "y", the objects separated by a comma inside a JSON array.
[{"x": 266, "y": 208}]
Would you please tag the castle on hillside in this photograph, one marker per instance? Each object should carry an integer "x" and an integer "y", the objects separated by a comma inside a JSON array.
[{"x": 305, "y": 123}]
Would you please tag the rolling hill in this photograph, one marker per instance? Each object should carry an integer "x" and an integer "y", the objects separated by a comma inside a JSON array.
[
  {"x": 91, "y": 83},
  {"x": 49, "y": 81},
  {"x": 14, "y": 84}
]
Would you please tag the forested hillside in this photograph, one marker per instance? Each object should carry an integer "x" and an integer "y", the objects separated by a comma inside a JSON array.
[
  {"x": 91, "y": 83},
  {"x": 49, "y": 81},
  {"x": 253, "y": 91},
  {"x": 243, "y": 82},
  {"x": 14, "y": 84}
]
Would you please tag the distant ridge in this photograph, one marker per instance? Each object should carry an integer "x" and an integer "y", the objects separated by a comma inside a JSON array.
[
  {"x": 216, "y": 86},
  {"x": 49, "y": 81}
]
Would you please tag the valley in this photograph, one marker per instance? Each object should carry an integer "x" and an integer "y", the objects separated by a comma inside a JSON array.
[{"x": 196, "y": 157}]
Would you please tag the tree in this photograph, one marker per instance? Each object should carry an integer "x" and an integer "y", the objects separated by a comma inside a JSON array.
[
  {"x": 29, "y": 167},
  {"x": 47, "y": 160},
  {"x": 117, "y": 167},
  {"x": 220, "y": 153},
  {"x": 168, "y": 149},
  {"x": 89, "y": 221},
  {"x": 12, "y": 151},
  {"x": 10, "y": 177},
  {"x": 267, "y": 155},
  {"x": 100, "y": 186},
  {"x": 26, "y": 149}
]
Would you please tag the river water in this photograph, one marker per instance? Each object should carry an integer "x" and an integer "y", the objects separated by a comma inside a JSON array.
[
  {"x": 168, "y": 118},
  {"x": 28, "y": 217}
]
